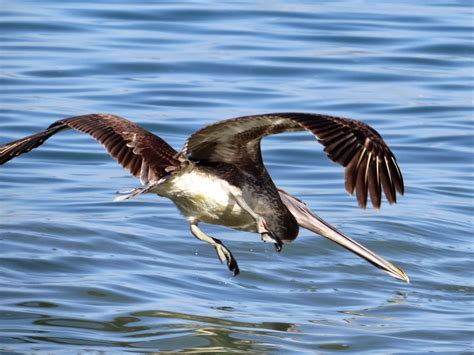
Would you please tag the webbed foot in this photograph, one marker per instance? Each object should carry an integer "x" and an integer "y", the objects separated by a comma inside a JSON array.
[{"x": 225, "y": 256}]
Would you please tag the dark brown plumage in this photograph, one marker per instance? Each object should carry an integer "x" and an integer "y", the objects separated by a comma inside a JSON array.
[
  {"x": 142, "y": 153},
  {"x": 219, "y": 176},
  {"x": 370, "y": 165}
]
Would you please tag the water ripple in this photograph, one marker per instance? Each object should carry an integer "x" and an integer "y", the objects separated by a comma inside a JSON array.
[{"x": 80, "y": 273}]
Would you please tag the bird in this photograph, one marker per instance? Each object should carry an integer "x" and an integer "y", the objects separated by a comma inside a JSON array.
[{"x": 219, "y": 176}]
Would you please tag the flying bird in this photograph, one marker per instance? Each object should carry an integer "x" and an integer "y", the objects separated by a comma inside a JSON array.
[{"x": 219, "y": 176}]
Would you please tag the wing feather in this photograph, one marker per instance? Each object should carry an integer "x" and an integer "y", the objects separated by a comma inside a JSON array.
[
  {"x": 142, "y": 153},
  {"x": 370, "y": 166}
]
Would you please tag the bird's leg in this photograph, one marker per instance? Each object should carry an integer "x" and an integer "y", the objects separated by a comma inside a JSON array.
[
  {"x": 262, "y": 227},
  {"x": 224, "y": 254}
]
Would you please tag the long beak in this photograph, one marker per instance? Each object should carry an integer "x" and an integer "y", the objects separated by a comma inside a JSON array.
[{"x": 307, "y": 219}]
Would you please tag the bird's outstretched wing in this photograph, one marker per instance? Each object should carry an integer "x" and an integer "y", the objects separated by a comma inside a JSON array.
[
  {"x": 142, "y": 153},
  {"x": 369, "y": 164}
]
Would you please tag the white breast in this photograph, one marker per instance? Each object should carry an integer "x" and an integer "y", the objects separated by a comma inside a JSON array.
[{"x": 203, "y": 197}]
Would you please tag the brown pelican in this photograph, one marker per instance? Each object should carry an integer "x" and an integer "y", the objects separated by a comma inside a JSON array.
[{"x": 219, "y": 176}]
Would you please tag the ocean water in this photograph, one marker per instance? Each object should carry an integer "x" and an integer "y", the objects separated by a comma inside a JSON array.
[{"x": 82, "y": 274}]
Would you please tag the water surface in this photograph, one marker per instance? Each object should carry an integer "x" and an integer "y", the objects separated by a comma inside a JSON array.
[{"x": 79, "y": 273}]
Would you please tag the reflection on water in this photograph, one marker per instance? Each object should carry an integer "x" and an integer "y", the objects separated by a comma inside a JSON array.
[
  {"x": 382, "y": 312},
  {"x": 163, "y": 330},
  {"x": 80, "y": 273},
  {"x": 158, "y": 330}
]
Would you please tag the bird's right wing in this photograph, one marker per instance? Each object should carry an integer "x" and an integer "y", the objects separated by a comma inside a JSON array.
[
  {"x": 144, "y": 154},
  {"x": 370, "y": 166}
]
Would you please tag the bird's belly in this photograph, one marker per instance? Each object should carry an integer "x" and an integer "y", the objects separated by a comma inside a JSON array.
[{"x": 206, "y": 198}]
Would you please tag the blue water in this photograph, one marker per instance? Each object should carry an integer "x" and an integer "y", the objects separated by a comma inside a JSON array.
[{"x": 80, "y": 273}]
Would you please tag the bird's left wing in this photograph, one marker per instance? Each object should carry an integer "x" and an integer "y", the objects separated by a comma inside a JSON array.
[
  {"x": 145, "y": 155},
  {"x": 370, "y": 166}
]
